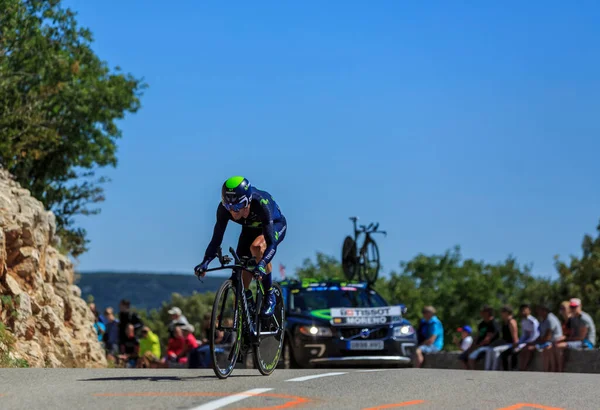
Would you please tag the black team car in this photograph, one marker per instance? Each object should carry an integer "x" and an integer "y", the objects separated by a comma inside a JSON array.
[{"x": 338, "y": 323}]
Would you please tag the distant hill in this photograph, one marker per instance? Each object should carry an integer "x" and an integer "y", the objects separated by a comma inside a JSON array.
[{"x": 144, "y": 290}]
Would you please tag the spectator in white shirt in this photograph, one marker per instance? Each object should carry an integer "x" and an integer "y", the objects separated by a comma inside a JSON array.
[
  {"x": 530, "y": 326},
  {"x": 177, "y": 319},
  {"x": 466, "y": 340}
]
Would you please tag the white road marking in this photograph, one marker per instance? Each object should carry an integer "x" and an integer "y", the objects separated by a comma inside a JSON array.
[
  {"x": 219, "y": 403},
  {"x": 372, "y": 370},
  {"x": 315, "y": 376}
]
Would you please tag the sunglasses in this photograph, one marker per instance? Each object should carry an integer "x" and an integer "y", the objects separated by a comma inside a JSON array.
[{"x": 236, "y": 207}]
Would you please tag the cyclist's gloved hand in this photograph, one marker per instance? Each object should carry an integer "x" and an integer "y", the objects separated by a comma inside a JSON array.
[
  {"x": 200, "y": 270},
  {"x": 260, "y": 269}
]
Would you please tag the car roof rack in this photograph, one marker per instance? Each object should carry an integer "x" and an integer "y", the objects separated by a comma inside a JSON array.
[{"x": 314, "y": 282}]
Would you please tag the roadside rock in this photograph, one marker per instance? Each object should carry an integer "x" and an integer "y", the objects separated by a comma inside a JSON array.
[{"x": 43, "y": 310}]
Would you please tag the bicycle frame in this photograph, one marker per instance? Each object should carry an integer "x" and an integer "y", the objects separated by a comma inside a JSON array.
[
  {"x": 236, "y": 278},
  {"x": 367, "y": 230}
]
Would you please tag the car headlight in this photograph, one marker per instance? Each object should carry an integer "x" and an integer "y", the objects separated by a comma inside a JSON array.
[
  {"x": 315, "y": 331},
  {"x": 405, "y": 330}
]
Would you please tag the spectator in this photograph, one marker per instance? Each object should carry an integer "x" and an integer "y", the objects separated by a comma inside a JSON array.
[
  {"x": 488, "y": 332},
  {"x": 434, "y": 338},
  {"x": 175, "y": 349},
  {"x": 529, "y": 333},
  {"x": 508, "y": 339},
  {"x": 101, "y": 318},
  {"x": 566, "y": 323},
  {"x": 466, "y": 340},
  {"x": 191, "y": 344},
  {"x": 126, "y": 317},
  {"x": 99, "y": 327},
  {"x": 565, "y": 314},
  {"x": 530, "y": 326},
  {"x": 130, "y": 347},
  {"x": 149, "y": 348},
  {"x": 111, "y": 335},
  {"x": 422, "y": 331},
  {"x": 177, "y": 319},
  {"x": 550, "y": 333},
  {"x": 582, "y": 332}
]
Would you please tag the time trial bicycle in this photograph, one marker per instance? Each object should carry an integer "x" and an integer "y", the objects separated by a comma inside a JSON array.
[
  {"x": 235, "y": 329},
  {"x": 363, "y": 262}
]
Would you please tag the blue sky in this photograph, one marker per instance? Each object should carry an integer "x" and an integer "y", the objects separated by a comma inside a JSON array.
[{"x": 470, "y": 123}]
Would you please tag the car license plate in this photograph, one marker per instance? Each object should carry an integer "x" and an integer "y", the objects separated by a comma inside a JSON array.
[{"x": 366, "y": 345}]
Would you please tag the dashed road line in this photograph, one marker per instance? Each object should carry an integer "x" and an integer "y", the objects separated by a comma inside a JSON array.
[
  {"x": 315, "y": 376},
  {"x": 234, "y": 398}
]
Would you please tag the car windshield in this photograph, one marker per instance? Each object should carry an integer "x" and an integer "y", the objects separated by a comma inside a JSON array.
[{"x": 307, "y": 300}]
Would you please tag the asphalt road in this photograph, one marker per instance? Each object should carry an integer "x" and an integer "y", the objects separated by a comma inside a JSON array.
[{"x": 421, "y": 389}]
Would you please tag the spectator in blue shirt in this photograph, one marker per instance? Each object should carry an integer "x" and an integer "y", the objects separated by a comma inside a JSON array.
[
  {"x": 99, "y": 327},
  {"x": 434, "y": 338}
]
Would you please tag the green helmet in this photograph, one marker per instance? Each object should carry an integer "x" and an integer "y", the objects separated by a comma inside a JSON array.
[{"x": 236, "y": 193}]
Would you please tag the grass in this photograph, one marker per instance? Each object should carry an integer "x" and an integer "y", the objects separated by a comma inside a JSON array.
[
  {"x": 9, "y": 304},
  {"x": 7, "y": 340}
]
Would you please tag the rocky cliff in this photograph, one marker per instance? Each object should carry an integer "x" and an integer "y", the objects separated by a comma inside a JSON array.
[{"x": 45, "y": 320}]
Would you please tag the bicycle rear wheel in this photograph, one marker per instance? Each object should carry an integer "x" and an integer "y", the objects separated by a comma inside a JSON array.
[
  {"x": 349, "y": 262},
  {"x": 225, "y": 330},
  {"x": 271, "y": 333},
  {"x": 370, "y": 259}
]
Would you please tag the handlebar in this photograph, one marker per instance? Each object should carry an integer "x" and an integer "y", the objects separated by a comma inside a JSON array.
[
  {"x": 246, "y": 263},
  {"x": 372, "y": 228}
]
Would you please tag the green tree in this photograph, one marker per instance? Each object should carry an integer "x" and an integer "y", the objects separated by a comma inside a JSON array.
[
  {"x": 325, "y": 267},
  {"x": 58, "y": 109}
]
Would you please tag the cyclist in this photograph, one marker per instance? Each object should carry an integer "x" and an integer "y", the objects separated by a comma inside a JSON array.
[{"x": 263, "y": 229}]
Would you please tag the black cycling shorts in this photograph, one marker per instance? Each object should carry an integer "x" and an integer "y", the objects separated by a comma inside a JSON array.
[{"x": 248, "y": 235}]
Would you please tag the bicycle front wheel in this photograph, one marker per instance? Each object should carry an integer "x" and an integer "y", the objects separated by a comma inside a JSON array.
[
  {"x": 270, "y": 337},
  {"x": 225, "y": 330}
]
